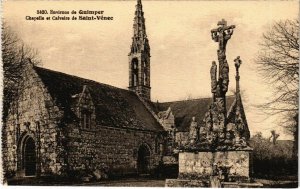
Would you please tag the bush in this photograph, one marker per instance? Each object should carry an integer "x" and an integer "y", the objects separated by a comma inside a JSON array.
[{"x": 272, "y": 160}]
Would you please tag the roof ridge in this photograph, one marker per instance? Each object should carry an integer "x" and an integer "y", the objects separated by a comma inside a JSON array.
[
  {"x": 77, "y": 77},
  {"x": 195, "y": 99}
]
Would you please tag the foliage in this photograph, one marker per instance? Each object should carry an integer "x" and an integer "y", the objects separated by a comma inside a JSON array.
[{"x": 271, "y": 159}]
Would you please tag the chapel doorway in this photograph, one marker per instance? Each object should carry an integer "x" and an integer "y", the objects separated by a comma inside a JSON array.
[
  {"x": 143, "y": 161},
  {"x": 29, "y": 157}
]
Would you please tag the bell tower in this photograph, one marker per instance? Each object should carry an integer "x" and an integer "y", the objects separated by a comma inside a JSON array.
[{"x": 139, "y": 56}]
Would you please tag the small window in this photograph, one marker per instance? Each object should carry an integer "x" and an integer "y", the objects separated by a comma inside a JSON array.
[
  {"x": 135, "y": 64},
  {"x": 135, "y": 72},
  {"x": 134, "y": 80},
  {"x": 145, "y": 78},
  {"x": 86, "y": 119}
]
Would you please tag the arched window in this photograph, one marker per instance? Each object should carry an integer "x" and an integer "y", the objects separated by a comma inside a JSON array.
[
  {"x": 135, "y": 66},
  {"x": 134, "y": 71},
  {"x": 145, "y": 81}
]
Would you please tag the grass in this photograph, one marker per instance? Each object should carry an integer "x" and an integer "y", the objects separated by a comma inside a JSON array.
[{"x": 289, "y": 182}]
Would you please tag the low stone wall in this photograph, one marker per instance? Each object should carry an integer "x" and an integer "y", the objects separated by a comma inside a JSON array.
[
  {"x": 241, "y": 185},
  {"x": 200, "y": 164},
  {"x": 185, "y": 183},
  {"x": 199, "y": 183}
]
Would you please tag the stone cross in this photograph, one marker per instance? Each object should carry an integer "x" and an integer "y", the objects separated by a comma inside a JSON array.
[
  {"x": 221, "y": 35},
  {"x": 223, "y": 22}
]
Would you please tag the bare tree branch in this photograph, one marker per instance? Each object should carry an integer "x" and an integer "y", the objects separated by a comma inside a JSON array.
[
  {"x": 14, "y": 56},
  {"x": 278, "y": 62}
]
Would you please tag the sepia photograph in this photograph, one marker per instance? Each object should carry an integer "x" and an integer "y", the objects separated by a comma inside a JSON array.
[{"x": 150, "y": 93}]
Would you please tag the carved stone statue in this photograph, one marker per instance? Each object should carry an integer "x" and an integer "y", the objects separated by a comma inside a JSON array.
[
  {"x": 213, "y": 75},
  {"x": 237, "y": 62},
  {"x": 208, "y": 121},
  {"x": 228, "y": 139},
  {"x": 193, "y": 131},
  {"x": 224, "y": 76}
]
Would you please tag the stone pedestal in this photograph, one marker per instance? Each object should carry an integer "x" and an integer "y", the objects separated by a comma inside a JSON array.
[
  {"x": 199, "y": 165},
  {"x": 196, "y": 169}
]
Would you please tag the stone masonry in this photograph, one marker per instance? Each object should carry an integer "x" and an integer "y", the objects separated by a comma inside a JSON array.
[
  {"x": 34, "y": 114},
  {"x": 112, "y": 147}
]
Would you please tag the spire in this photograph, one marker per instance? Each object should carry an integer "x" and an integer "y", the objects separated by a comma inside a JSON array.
[
  {"x": 139, "y": 56},
  {"x": 236, "y": 112},
  {"x": 139, "y": 39}
]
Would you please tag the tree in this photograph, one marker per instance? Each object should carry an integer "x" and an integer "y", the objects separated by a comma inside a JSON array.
[
  {"x": 272, "y": 160},
  {"x": 15, "y": 54},
  {"x": 278, "y": 63}
]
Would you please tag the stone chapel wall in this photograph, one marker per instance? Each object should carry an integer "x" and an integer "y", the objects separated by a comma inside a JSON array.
[
  {"x": 34, "y": 114},
  {"x": 115, "y": 148}
]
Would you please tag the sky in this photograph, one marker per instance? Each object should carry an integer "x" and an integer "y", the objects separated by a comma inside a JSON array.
[{"x": 181, "y": 46}]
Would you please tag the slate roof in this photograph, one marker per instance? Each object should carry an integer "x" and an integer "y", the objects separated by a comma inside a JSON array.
[
  {"x": 114, "y": 107},
  {"x": 184, "y": 110}
]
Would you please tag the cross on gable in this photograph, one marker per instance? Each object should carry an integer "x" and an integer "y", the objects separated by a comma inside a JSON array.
[{"x": 223, "y": 22}]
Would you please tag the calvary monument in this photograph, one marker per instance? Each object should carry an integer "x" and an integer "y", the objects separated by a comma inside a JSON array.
[{"x": 218, "y": 154}]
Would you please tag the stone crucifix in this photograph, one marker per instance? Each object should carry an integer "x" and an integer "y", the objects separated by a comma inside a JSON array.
[
  {"x": 219, "y": 85},
  {"x": 221, "y": 35},
  {"x": 237, "y": 64}
]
